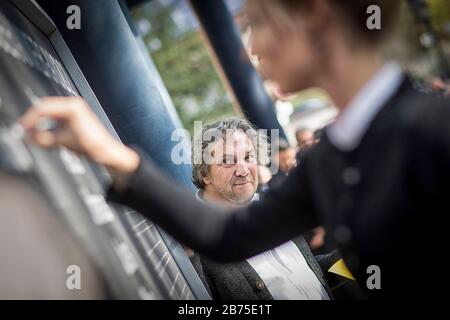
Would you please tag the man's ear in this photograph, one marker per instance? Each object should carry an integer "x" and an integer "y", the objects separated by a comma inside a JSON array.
[{"x": 206, "y": 180}]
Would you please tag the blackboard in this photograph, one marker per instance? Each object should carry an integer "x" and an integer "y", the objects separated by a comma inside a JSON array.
[{"x": 127, "y": 249}]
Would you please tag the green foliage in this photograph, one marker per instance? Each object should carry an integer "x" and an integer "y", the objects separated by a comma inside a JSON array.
[
  {"x": 185, "y": 67},
  {"x": 440, "y": 14},
  {"x": 406, "y": 46}
]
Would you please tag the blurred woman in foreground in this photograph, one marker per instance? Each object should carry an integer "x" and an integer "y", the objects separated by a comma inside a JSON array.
[{"x": 376, "y": 181}]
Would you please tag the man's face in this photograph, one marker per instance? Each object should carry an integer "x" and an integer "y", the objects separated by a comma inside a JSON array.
[{"x": 233, "y": 176}]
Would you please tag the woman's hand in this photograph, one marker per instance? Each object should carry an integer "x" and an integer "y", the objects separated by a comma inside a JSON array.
[{"x": 79, "y": 130}]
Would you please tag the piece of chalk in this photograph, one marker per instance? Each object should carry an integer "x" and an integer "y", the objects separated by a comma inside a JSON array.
[{"x": 46, "y": 124}]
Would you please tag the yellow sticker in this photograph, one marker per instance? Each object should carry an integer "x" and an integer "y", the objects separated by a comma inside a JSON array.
[{"x": 341, "y": 269}]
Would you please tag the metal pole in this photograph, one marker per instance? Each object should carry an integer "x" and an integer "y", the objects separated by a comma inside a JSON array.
[{"x": 241, "y": 76}]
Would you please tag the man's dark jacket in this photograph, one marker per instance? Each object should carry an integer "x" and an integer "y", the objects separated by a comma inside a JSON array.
[{"x": 239, "y": 281}]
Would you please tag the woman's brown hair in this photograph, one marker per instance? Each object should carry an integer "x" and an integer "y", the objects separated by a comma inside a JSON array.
[{"x": 352, "y": 14}]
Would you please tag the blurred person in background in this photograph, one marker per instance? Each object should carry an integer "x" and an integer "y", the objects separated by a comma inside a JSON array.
[
  {"x": 304, "y": 137},
  {"x": 376, "y": 181},
  {"x": 440, "y": 86},
  {"x": 285, "y": 160},
  {"x": 264, "y": 177}
]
